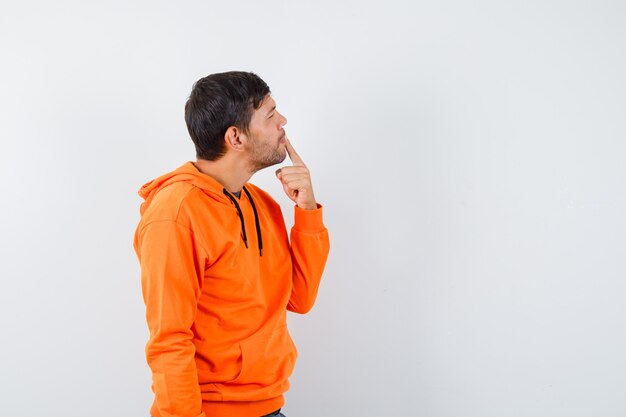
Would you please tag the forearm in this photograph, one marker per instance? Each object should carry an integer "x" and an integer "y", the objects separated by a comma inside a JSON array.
[
  {"x": 310, "y": 246},
  {"x": 174, "y": 375}
]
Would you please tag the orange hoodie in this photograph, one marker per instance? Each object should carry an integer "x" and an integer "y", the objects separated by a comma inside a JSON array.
[{"x": 215, "y": 301}]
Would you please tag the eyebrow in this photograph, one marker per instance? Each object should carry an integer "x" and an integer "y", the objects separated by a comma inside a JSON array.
[{"x": 271, "y": 110}]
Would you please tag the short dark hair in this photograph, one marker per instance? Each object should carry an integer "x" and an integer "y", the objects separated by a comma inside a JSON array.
[{"x": 217, "y": 102}]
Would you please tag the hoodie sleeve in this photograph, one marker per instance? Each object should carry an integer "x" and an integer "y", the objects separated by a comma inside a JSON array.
[
  {"x": 309, "y": 250},
  {"x": 172, "y": 267}
]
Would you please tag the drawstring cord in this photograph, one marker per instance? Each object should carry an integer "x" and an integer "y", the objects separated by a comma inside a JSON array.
[
  {"x": 256, "y": 220},
  {"x": 243, "y": 226}
]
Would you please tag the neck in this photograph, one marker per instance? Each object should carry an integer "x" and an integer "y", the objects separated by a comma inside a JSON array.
[{"x": 229, "y": 172}]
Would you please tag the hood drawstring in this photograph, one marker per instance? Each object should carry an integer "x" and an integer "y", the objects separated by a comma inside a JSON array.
[
  {"x": 256, "y": 220},
  {"x": 243, "y": 226}
]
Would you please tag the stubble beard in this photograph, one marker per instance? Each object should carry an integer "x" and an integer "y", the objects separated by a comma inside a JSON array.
[{"x": 264, "y": 155}]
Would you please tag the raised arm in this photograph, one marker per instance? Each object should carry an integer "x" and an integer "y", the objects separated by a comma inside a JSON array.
[{"x": 309, "y": 237}]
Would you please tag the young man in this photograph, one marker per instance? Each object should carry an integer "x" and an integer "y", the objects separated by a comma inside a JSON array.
[{"x": 218, "y": 270}]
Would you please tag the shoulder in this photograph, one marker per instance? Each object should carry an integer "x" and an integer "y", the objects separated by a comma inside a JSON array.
[{"x": 167, "y": 203}]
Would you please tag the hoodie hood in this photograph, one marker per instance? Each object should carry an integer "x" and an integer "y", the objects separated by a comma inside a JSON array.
[
  {"x": 185, "y": 173},
  {"x": 190, "y": 174}
]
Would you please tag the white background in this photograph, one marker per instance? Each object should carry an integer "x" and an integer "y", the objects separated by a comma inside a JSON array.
[{"x": 470, "y": 157}]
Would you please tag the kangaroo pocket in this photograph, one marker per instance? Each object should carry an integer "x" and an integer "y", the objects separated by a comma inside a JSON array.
[{"x": 267, "y": 361}]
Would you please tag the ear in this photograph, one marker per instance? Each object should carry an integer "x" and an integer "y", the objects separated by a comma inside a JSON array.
[{"x": 233, "y": 139}]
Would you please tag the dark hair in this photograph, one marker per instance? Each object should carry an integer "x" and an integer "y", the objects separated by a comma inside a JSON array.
[{"x": 217, "y": 102}]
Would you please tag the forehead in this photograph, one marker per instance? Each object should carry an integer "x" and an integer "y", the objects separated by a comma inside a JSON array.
[{"x": 267, "y": 103}]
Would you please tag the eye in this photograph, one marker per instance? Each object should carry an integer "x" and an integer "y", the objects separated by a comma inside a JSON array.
[{"x": 271, "y": 115}]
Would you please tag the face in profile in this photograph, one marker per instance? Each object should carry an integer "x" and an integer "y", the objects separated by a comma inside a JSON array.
[{"x": 266, "y": 136}]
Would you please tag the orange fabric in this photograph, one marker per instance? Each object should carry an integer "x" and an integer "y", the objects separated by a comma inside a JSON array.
[{"x": 216, "y": 310}]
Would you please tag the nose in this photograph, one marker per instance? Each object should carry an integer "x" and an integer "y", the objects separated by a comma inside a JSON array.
[{"x": 283, "y": 120}]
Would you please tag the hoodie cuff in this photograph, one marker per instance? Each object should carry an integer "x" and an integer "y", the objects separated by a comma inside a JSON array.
[{"x": 309, "y": 221}]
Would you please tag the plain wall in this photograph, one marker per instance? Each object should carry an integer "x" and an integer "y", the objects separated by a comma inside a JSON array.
[{"x": 470, "y": 157}]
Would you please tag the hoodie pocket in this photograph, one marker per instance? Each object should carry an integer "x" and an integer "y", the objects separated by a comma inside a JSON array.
[{"x": 267, "y": 359}]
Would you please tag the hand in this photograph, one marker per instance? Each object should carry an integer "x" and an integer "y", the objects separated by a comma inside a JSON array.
[{"x": 296, "y": 180}]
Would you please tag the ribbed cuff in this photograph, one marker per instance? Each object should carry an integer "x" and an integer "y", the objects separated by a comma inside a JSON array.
[{"x": 309, "y": 221}]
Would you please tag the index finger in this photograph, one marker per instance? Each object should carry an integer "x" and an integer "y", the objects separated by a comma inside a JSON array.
[{"x": 293, "y": 155}]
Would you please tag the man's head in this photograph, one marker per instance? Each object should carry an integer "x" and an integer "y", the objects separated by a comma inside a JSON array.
[{"x": 235, "y": 110}]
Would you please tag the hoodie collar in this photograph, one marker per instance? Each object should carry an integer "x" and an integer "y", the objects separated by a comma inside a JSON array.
[
  {"x": 190, "y": 174},
  {"x": 185, "y": 173}
]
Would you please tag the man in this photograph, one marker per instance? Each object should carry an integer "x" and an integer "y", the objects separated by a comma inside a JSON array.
[{"x": 218, "y": 269}]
